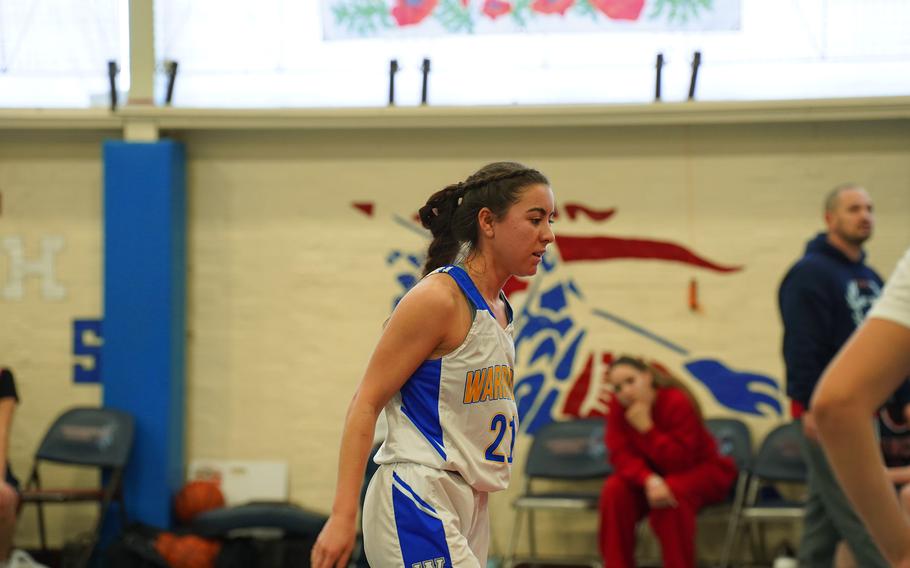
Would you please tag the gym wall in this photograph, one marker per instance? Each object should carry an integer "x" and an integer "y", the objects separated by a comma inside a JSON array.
[{"x": 300, "y": 240}]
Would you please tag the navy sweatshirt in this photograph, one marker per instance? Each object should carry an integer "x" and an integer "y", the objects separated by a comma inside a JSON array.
[{"x": 823, "y": 298}]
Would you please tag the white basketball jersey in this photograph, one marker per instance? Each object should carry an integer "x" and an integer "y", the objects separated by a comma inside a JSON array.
[{"x": 458, "y": 412}]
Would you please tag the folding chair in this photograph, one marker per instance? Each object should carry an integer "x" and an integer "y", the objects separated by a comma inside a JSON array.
[
  {"x": 568, "y": 451},
  {"x": 88, "y": 437},
  {"x": 733, "y": 440},
  {"x": 779, "y": 460}
]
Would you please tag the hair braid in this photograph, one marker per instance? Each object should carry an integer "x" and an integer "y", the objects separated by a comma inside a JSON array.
[{"x": 451, "y": 213}]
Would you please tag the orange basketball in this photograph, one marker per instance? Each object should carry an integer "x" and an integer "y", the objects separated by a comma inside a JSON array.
[
  {"x": 187, "y": 551},
  {"x": 197, "y": 497}
]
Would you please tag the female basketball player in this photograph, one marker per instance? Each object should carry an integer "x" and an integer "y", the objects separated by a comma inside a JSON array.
[
  {"x": 870, "y": 366},
  {"x": 443, "y": 371},
  {"x": 666, "y": 465}
]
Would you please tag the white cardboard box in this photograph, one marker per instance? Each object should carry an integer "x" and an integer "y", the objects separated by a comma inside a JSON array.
[{"x": 243, "y": 481}]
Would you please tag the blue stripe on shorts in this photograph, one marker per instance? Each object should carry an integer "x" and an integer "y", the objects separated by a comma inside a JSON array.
[{"x": 420, "y": 532}]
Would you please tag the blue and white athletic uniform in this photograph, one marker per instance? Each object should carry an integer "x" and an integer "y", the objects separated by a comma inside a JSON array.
[{"x": 452, "y": 430}]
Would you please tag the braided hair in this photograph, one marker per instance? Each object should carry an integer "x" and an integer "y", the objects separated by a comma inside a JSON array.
[{"x": 451, "y": 213}]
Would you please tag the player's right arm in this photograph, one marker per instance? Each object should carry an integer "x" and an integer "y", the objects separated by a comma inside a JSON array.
[
  {"x": 872, "y": 364},
  {"x": 427, "y": 322}
]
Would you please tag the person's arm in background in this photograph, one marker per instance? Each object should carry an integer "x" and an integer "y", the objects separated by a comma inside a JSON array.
[
  {"x": 673, "y": 446},
  {"x": 7, "y": 408},
  {"x": 807, "y": 319},
  {"x": 868, "y": 369},
  {"x": 626, "y": 459},
  {"x": 899, "y": 475},
  {"x": 9, "y": 497},
  {"x": 8, "y": 401},
  {"x": 630, "y": 463}
]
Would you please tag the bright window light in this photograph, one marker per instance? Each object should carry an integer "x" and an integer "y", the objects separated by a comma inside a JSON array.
[{"x": 54, "y": 53}]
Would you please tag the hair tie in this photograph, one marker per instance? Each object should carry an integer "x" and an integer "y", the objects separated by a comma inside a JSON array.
[{"x": 458, "y": 192}]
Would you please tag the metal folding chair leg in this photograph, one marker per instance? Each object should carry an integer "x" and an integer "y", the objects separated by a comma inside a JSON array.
[
  {"x": 42, "y": 531},
  {"x": 513, "y": 542},
  {"x": 739, "y": 496},
  {"x": 727, "y": 549},
  {"x": 532, "y": 534}
]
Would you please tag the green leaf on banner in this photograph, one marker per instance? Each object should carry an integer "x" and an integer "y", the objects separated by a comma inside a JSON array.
[
  {"x": 585, "y": 8},
  {"x": 520, "y": 12},
  {"x": 363, "y": 17},
  {"x": 454, "y": 16},
  {"x": 680, "y": 11}
]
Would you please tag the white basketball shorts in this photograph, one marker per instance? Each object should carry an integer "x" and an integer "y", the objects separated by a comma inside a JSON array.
[{"x": 420, "y": 517}]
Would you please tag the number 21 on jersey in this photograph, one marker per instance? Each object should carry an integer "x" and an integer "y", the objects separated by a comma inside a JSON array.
[{"x": 499, "y": 426}]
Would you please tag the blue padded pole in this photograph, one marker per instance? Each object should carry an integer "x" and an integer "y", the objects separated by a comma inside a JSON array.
[{"x": 145, "y": 315}]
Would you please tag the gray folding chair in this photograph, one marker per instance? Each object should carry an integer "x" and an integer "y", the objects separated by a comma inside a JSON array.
[
  {"x": 779, "y": 460},
  {"x": 568, "y": 451},
  {"x": 88, "y": 437},
  {"x": 735, "y": 441}
]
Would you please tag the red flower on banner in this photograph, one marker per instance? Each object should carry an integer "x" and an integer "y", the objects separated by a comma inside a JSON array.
[
  {"x": 496, "y": 8},
  {"x": 409, "y": 12},
  {"x": 552, "y": 6},
  {"x": 620, "y": 9}
]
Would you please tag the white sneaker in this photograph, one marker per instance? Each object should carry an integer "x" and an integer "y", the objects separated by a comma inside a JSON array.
[
  {"x": 22, "y": 559},
  {"x": 785, "y": 562}
]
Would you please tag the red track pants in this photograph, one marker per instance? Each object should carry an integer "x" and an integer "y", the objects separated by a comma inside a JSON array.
[{"x": 623, "y": 505}]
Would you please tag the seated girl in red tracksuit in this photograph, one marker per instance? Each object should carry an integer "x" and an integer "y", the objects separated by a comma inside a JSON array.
[{"x": 666, "y": 465}]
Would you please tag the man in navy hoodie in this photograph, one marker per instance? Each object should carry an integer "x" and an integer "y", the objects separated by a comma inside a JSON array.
[{"x": 823, "y": 298}]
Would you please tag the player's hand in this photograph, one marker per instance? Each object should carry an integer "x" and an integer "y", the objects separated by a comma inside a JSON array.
[
  {"x": 658, "y": 493},
  {"x": 334, "y": 544},
  {"x": 638, "y": 414}
]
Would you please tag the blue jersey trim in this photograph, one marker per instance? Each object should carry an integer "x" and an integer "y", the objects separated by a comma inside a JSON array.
[
  {"x": 467, "y": 286},
  {"x": 421, "y": 535},
  {"x": 420, "y": 402},
  {"x": 508, "y": 306},
  {"x": 470, "y": 290}
]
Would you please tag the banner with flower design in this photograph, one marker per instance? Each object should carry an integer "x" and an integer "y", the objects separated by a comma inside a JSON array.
[{"x": 345, "y": 19}]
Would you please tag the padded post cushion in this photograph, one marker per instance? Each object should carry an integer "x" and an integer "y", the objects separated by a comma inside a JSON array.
[{"x": 290, "y": 518}]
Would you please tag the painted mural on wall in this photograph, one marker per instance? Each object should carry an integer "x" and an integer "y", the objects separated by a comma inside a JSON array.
[
  {"x": 561, "y": 370},
  {"x": 345, "y": 19}
]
